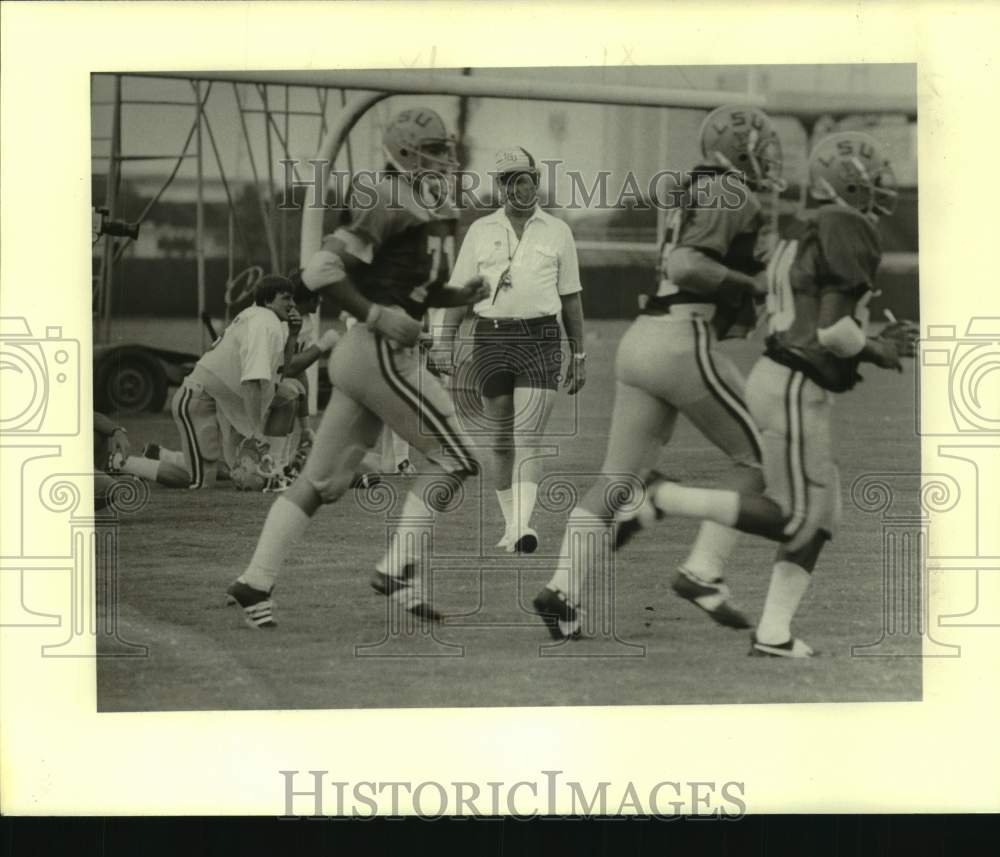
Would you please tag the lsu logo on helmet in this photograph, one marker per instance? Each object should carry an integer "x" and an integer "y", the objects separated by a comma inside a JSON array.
[
  {"x": 416, "y": 140},
  {"x": 744, "y": 139},
  {"x": 850, "y": 169}
]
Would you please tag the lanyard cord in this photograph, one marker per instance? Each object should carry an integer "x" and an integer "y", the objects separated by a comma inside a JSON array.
[{"x": 505, "y": 281}]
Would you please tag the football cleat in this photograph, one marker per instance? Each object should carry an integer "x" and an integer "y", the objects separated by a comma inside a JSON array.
[
  {"x": 405, "y": 592},
  {"x": 710, "y": 596},
  {"x": 524, "y": 542},
  {"x": 558, "y": 613},
  {"x": 646, "y": 515},
  {"x": 151, "y": 451},
  {"x": 794, "y": 648},
  {"x": 258, "y": 609},
  {"x": 506, "y": 540},
  {"x": 232, "y": 602}
]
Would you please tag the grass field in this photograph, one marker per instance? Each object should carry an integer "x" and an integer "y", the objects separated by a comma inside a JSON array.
[{"x": 179, "y": 553}]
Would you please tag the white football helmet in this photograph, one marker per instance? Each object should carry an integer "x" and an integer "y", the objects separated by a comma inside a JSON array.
[
  {"x": 744, "y": 139},
  {"x": 416, "y": 141},
  {"x": 850, "y": 169}
]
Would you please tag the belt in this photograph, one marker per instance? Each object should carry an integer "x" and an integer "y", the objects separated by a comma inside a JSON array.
[
  {"x": 515, "y": 323},
  {"x": 685, "y": 311}
]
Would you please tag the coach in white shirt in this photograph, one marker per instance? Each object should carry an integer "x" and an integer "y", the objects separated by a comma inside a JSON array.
[{"x": 528, "y": 257}]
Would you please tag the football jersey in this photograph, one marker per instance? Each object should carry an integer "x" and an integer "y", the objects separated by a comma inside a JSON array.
[
  {"x": 408, "y": 248},
  {"x": 251, "y": 349},
  {"x": 831, "y": 248},
  {"x": 723, "y": 219}
]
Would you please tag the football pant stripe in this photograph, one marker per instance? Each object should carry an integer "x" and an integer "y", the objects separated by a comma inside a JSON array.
[
  {"x": 197, "y": 477},
  {"x": 727, "y": 397},
  {"x": 795, "y": 453},
  {"x": 422, "y": 406}
]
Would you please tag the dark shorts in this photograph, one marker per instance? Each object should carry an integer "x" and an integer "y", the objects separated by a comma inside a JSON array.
[{"x": 509, "y": 353}]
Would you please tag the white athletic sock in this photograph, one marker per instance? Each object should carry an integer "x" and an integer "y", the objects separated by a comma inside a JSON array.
[
  {"x": 406, "y": 542},
  {"x": 723, "y": 507},
  {"x": 789, "y": 583},
  {"x": 284, "y": 526},
  {"x": 278, "y": 448},
  {"x": 145, "y": 468},
  {"x": 506, "y": 498},
  {"x": 173, "y": 456},
  {"x": 713, "y": 546},
  {"x": 387, "y": 454},
  {"x": 573, "y": 569},
  {"x": 523, "y": 495},
  {"x": 561, "y": 576}
]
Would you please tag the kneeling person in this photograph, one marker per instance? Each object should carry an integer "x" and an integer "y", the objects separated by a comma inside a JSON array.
[{"x": 226, "y": 397}]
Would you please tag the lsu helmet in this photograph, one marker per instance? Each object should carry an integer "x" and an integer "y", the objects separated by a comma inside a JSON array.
[
  {"x": 416, "y": 141},
  {"x": 744, "y": 139},
  {"x": 850, "y": 169}
]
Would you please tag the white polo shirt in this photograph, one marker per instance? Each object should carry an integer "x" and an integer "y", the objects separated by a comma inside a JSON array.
[
  {"x": 251, "y": 349},
  {"x": 543, "y": 265}
]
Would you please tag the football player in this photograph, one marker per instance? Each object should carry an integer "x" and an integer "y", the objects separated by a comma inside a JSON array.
[
  {"x": 819, "y": 281},
  {"x": 385, "y": 268},
  {"x": 667, "y": 363},
  {"x": 286, "y": 398},
  {"x": 228, "y": 395}
]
